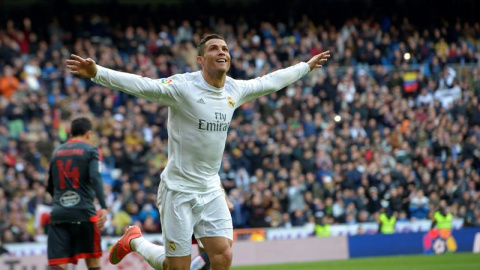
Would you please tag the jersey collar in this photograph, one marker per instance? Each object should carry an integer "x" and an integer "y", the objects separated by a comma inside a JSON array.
[{"x": 75, "y": 140}]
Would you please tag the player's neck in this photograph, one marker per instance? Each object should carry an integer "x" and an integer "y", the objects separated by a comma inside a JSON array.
[
  {"x": 78, "y": 138},
  {"x": 216, "y": 80}
]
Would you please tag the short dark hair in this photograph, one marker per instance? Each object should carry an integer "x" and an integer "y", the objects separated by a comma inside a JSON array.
[
  {"x": 80, "y": 126},
  {"x": 201, "y": 45}
]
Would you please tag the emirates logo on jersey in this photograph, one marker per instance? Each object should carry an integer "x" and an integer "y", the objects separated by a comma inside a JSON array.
[{"x": 231, "y": 102}]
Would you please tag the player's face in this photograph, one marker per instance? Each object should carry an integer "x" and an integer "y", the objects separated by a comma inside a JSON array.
[{"x": 216, "y": 56}]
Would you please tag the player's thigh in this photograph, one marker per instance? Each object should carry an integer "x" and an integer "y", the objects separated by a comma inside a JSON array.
[
  {"x": 178, "y": 263},
  {"x": 177, "y": 225},
  {"x": 59, "y": 246},
  {"x": 217, "y": 245},
  {"x": 215, "y": 220},
  {"x": 215, "y": 231},
  {"x": 86, "y": 240}
]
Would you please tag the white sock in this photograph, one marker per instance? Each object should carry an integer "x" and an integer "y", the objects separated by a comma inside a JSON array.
[
  {"x": 153, "y": 254},
  {"x": 197, "y": 263}
]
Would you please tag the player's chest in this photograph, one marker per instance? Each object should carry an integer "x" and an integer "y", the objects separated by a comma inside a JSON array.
[{"x": 211, "y": 106}]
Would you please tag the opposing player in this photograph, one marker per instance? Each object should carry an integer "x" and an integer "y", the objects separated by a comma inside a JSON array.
[
  {"x": 74, "y": 181},
  {"x": 200, "y": 108}
]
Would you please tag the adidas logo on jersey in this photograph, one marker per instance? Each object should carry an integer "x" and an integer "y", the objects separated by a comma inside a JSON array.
[{"x": 201, "y": 101}]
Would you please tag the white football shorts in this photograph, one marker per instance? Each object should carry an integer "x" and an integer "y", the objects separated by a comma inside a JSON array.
[{"x": 185, "y": 214}]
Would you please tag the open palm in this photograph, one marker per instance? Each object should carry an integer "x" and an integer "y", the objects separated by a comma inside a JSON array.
[
  {"x": 317, "y": 60},
  {"x": 82, "y": 67}
]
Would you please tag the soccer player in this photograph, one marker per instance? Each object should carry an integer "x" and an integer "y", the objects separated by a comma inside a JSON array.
[
  {"x": 74, "y": 181},
  {"x": 200, "y": 108}
]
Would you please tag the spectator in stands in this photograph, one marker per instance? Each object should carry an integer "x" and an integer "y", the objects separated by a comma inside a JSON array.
[
  {"x": 418, "y": 205},
  {"x": 8, "y": 82},
  {"x": 348, "y": 127}
]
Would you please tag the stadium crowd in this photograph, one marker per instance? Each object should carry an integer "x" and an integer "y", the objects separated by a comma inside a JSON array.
[{"x": 392, "y": 121}]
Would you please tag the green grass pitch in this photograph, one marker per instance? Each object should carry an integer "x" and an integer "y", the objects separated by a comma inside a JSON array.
[{"x": 452, "y": 261}]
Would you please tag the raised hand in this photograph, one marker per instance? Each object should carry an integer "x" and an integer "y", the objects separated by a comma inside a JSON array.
[
  {"x": 318, "y": 60},
  {"x": 82, "y": 67}
]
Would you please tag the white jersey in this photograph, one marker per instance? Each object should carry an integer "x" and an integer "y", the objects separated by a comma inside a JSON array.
[{"x": 199, "y": 116}]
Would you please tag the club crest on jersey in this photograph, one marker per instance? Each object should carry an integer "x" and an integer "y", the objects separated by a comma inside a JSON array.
[
  {"x": 166, "y": 81},
  {"x": 231, "y": 102},
  {"x": 172, "y": 246}
]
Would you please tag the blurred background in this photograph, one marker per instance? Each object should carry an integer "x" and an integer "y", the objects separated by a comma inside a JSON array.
[{"x": 390, "y": 124}]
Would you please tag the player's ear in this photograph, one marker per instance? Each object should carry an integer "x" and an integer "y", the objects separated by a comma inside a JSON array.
[
  {"x": 200, "y": 59},
  {"x": 89, "y": 135}
]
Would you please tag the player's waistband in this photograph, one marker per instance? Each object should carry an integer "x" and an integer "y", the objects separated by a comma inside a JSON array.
[
  {"x": 90, "y": 220},
  {"x": 68, "y": 222}
]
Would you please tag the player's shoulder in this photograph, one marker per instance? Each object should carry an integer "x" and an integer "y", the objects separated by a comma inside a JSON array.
[
  {"x": 79, "y": 144},
  {"x": 237, "y": 83},
  {"x": 230, "y": 80},
  {"x": 75, "y": 148},
  {"x": 233, "y": 85},
  {"x": 92, "y": 151},
  {"x": 182, "y": 78}
]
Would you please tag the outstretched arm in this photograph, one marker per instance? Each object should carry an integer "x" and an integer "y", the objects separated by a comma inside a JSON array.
[
  {"x": 281, "y": 78},
  {"x": 132, "y": 84}
]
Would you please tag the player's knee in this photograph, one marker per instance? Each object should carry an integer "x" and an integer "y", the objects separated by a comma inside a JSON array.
[
  {"x": 222, "y": 259},
  {"x": 93, "y": 263},
  {"x": 228, "y": 256}
]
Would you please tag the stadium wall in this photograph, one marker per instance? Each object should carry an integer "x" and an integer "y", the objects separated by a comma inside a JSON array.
[
  {"x": 33, "y": 255},
  {"x": 39, "y": 262},
  {"x": 246, "y": 253},
  {"x": 411, "y": 243},
  {"x": 290, "y": 251}
]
